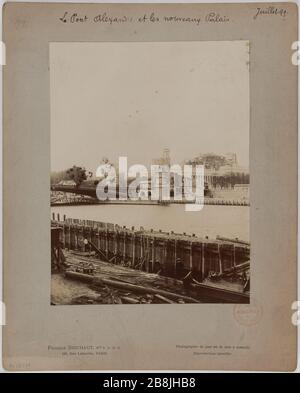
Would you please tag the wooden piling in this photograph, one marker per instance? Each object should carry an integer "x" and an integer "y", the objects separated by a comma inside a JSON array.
[
  {"x": 133, "y": 249},
  {"x": 191, "y": 256},
  {"x": 124, "y": 245},
  {"x": 106, "y": 243},
  {"x": 220, "y": 259},
  {"x": 143, "y": 249},
  {"x": 203, "y": 261},
  {"x": 234, "y": 263},
  {"x": 175, "y": 256}
]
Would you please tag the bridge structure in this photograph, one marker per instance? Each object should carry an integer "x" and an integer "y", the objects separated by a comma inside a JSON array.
[{"x": 88, "y": 188}]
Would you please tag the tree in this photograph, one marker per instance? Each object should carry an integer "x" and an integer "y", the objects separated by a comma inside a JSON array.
[{"x": 77, "y": 174}]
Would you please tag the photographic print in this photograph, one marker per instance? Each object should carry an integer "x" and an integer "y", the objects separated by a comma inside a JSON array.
[{"x": 150, "y": 182}]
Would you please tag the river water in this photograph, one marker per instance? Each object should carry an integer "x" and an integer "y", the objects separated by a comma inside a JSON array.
[{"x": 212, "y": 220}]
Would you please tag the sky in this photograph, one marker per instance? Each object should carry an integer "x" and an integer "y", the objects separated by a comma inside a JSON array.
[{"x": 136, "y": 98}]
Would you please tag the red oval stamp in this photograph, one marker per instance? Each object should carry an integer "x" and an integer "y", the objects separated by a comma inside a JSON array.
[{"x": 248, "y": 314}]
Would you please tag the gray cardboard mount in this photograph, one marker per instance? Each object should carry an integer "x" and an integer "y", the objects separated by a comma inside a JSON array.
[{"x": 37, "y": 336}]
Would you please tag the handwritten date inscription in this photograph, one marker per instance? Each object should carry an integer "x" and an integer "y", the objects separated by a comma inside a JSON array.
[{"x": 270, "y": 11}]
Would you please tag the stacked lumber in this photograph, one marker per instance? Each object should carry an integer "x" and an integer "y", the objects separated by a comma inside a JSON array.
[
  {"x": 115, "y": 291},
  {"x": 116, "y": 284}
]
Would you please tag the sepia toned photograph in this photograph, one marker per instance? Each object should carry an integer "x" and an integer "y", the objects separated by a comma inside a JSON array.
[{"x": 150, "y": 182}]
